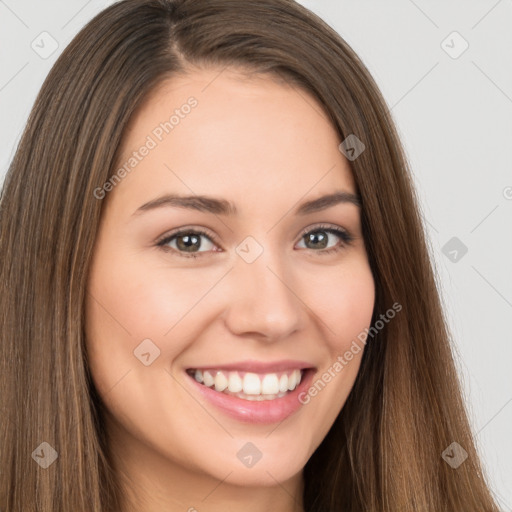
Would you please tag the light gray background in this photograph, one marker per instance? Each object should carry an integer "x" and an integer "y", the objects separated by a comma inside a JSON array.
[{"x": 455, "y": 119}]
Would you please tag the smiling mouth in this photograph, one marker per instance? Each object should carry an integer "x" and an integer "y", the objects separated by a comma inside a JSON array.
[{"x": 249, "y": 385}]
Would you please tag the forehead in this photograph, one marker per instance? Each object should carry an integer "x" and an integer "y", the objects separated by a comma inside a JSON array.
[{"x": 221, "y": 132}]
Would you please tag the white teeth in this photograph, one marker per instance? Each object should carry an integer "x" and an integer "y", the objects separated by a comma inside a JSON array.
[
  {"x": 283, "y": 383},
  {"x": 235, "y": 382},
  {"x": 249, "y": 386},
  {"x": 298, "y": 377},
  {"x": 270, "y": 384},
  {"x": 221, "y": 383},
  {"x": 208, "y": 379},
  {"x": 252, "y": 384},
  {"x": 293, "y": 380}
]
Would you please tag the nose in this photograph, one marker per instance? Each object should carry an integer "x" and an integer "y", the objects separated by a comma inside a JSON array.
[{"x": 262, "y": 302}]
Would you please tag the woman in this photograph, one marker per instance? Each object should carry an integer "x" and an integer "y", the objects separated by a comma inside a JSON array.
[{"x": 267, "y": 371}]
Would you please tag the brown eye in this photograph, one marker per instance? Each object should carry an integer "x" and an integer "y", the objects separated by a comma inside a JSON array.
[
  {"x": 187, "y": 242},
  {"x": 318, "y": 239}
]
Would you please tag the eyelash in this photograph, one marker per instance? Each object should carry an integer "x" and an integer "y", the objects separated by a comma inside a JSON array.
[{"x": 344, "y": 235}]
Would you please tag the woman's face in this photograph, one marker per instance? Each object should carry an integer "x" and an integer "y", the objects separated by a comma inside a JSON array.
[{"x": 270, "y": 292}]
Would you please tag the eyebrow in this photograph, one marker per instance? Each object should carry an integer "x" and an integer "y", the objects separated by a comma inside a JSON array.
[{"x": 219, "y": 206}]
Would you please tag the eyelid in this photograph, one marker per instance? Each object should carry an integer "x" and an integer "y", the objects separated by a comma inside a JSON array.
[
  {"x": 322, "y": 225},
  {"x": 187, "y": 229}
]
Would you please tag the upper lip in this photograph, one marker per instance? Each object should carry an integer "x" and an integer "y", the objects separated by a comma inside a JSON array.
[{"x": 252, "y": 365}]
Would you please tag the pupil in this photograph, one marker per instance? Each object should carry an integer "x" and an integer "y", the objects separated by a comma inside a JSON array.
[
  {"x": 189, "y": 241},
  {"x": 314, "y": 237}
]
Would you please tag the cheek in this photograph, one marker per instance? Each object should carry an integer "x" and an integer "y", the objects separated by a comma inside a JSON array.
[
  {"x": 345, "y": 311},
  {"x": 126, "y": 306},
  {"x": 356, "y": 302},
  {"x": 344, "y": 303},
  {"x": 134, "y": 301}
]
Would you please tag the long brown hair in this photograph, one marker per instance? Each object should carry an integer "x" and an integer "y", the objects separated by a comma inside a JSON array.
[{"x": 383, "y": 453}]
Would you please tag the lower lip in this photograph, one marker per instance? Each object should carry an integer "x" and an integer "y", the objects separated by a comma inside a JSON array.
[{"x": 264, "y": 411}]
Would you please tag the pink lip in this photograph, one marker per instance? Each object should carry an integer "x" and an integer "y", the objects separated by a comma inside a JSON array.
[
  {"x": 265, "y": 411},
  {"x": 258, "y": 366}
]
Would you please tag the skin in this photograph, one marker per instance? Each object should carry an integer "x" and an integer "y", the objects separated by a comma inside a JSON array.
[{"x": 266, "y": 146}]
